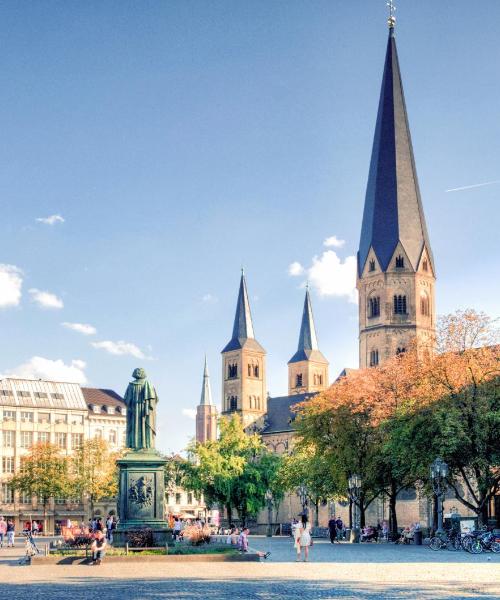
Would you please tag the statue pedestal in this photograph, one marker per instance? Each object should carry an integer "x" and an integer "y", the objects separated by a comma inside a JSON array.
[{"x": 141, "y": 499}]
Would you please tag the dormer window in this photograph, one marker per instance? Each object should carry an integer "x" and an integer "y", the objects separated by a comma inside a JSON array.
[
  {"x": 425, "y": 265},
  {"x": 400, "y": 262},
  {"x": 371, "y": 266}
]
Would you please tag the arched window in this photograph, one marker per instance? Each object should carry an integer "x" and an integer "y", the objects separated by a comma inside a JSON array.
[
  {"x": 249, "y": 370},
  {"x": 399, "y": 304},
  {"x": 374, "y": 306},
  {"x": 425, "y": 265},
  {"x": 298, "y": 380},
  {"x": 256, "y": 371},
  {"x": 400, "y": 350},
  {"x": 233, "y": 403},
  {"x": 320, "y": 379},
  {"x": 371, "y": 267},
  {"x": 400, "y": 262},
  {"x": 232, "y": 371},
  {"x": 425, "y": 304},
  {"x": 373, "y": 358},
  {"x": 112, "y": 437}
]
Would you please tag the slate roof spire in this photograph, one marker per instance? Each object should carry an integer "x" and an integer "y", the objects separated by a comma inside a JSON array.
[
  {"x": 393, "y": 210},
  {"x": 206, "y": 391},
  {"x": 308, "y": 348},
  {"x": 243, "y": 334}
]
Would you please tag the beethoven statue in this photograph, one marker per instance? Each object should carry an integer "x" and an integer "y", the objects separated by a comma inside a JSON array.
[{"x": 141, "y": 400}]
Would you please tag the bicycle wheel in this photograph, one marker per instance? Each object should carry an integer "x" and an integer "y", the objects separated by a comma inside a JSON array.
[
  {"x": 435, "y": 543},
  {"x": 457, "y": 543},
  {"x": 495, "y": 547},
  {"x": 476, "y": 547},
  {"x": 466, "y": 542}
]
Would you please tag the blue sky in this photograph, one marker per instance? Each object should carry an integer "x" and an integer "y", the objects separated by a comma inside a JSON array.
[{"x": 182, "y": 140}]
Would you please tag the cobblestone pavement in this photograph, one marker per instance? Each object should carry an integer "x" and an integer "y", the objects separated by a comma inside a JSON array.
[{"x": 345, "y": 571}]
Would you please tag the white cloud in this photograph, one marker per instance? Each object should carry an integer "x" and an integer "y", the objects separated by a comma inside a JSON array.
[
  {"x": 209, "y": 298},
  {"x": 81, "y": 328},
  {"x": 190, "y": 413},
  {"x": 11, "y": 282},
  {"x": 333, "y": 242},
  {"x": 295, "y": 269},
  {"x": 52, "y": 220},
  {"x": 45, "y": 299},
  {"x": 38, "y": 367},
  {"x": 120, "y": 348},
  {"x": 331, "y": 276}
]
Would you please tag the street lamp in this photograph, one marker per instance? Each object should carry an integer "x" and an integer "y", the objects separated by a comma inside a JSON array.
[
  {"x": 439, "y": 473},
  {"x": 354, "y": 485},
  {"x": 302, "y": 492},
  {"x": 269, "y": 500}
]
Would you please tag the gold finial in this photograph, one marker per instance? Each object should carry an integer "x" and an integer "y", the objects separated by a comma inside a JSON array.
[{"x": 391, "y": 21}]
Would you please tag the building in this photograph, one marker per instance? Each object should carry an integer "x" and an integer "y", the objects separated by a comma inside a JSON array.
[
  {"x": 396, "y": 283},
  {"x": 63, "y": 414},
  {"x": 206, "y": 411}
]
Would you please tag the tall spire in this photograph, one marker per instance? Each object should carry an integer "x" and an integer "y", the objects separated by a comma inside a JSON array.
[
  {"x": 308, "y": 342},
  {"x": 206, "y": 392},
  {"x": 243, "y": 333},
  {"x": 393, "y": 210}
]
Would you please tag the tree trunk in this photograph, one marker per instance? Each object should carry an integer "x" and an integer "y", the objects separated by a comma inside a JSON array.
[
  {"x": 316, "y": 513},
  {"x": 229, "y": 513},
  {"x": 393, "y": 517},
  {"x": 483, "y": 514},
  {"x": 350, "y": 513},
  {"x": 362, "y": 517}
]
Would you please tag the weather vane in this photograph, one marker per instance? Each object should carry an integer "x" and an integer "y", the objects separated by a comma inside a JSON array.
[{"x": 391, "y": 21}]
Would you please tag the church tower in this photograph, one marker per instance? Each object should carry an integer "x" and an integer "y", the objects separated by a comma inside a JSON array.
[
  {"x": 396, "y": 276},
  {"x": 206, "y": 412},
  {"x": 244, "y": 367},
  {"x": 308, "y": 368}
]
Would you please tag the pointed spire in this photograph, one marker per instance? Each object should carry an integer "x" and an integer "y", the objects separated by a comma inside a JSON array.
[
  {"x": 206, "y": 391},
  {"x": 243, "y": 325},
  {"x": 393, "y": 210},
  {"x": 308, "y": 342}
]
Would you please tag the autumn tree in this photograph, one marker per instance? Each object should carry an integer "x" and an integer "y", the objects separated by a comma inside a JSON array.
[
  {"x": 94, "y": 471},
  {"x": 44, "y": 473}
]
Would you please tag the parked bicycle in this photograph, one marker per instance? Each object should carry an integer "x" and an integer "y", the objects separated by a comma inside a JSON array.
[{"x": 478, "y": 541}]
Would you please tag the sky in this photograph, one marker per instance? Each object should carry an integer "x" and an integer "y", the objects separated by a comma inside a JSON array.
[{"x": 151, "y": 149}]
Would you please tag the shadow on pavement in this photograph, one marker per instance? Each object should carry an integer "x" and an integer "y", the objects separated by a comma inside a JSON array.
[{"x": 235, "y": 589}]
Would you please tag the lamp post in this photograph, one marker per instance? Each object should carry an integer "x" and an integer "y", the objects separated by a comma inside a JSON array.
[
  {"x": 354, "y": 485},
  {"x": 302, "y": 492},
  {"x": 439, "y": 472},
  {"x": 269, "y": 501}
]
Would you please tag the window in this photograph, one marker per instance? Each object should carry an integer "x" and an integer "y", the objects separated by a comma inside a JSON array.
[
  {"x": 400, "y": 262},
  {"x": 76, "y": 440},
  {"x": 7, "y": 494},
  {"x": 77, "y": 419},
  {"x": 424, "y": 304},
  {"x": 9, "y": 439},
  {"x": 61, "y": 440},
  {"x": 26, "y": 439},
  {"x": 256, "y": 370},
  {"x": 43, "y": 437},
  {"x": 7, "y": 393},
  {"x": 40, "y": 395},
  {"x": 400, "y": 350},
  {"x": 98, "y": 434},
  {"x": 57, "y": 396},
  {"x": 374, "y": 307},
  {"x": 24, "y": 394},
  {"x": 177, "y": 498},
  {"x": 400, "y": 305},
  {"x": 190, "y": 498},
  {"x": 320, "y": 379},
  {"x": 9, "y": 415},
  {"x": 167, "y": 498},
  {"x": 112, "y": 437},
  {"x": 61, "y": 418},
  {"x": 44, "y": 418},
  {"x": 25, "y": 498},
  {"x": 27, "y": 417},
  {"x": 371, "y": 267},
  {"x": 425, "y": 265},
  {"x": 232, "y": 371},
  {"x": 249, "y": 370},
  {"x": 7, "y": 464},
  {"x": 233, "y": 403},
  {"x": 298, "y": 380},
  {"x": 60, "y": 501},
  {"x": 373, "y": 358}
]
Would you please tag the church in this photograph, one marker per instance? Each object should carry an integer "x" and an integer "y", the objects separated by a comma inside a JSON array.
[{"x": 396, "y": 285}]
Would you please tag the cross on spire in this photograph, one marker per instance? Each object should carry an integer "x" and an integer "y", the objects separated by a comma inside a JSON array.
[{"x": 391, "y": 21}]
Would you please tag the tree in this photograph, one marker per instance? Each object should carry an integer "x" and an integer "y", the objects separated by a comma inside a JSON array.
[
  {"x": 233, "y": 471},
  {"x": 44, "y": 474},
  {"x": 94, "y": 471}
]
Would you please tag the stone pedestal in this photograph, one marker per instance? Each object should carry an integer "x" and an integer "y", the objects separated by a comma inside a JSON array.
[{"x": 141, "y": 498}]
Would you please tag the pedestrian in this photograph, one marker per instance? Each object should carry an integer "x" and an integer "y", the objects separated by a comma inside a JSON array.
[
  {"x": 177, "y": 528},
  {"x": 11, "y": 532},
  {"x": 243, "y": 540},
  {"x": 109, "y": 527},
  {"x": 99, "y": 525},
  {"x": 34, "y": 528},
  {"x": 3, "y": 530},
  {"x": 98, "y": 547},
  {"x": 332, "y": 528},
  {"x": 340, "y": 528},
  {"x": 303, "y": 540}
]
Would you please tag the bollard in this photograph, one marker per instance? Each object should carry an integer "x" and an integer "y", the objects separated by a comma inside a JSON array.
[{"x": 126, "y": 548}]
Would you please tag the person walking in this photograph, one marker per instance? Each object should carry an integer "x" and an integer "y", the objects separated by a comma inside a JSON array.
[
  {"x": 177, "y": 528},
  {"x": 332, "y": 528},
  {"x": 303, "y": 540},
  {"x": 3, "y": 530},
  {"x": 340, "y": 529},
  {"x": 11, "y": 532}
]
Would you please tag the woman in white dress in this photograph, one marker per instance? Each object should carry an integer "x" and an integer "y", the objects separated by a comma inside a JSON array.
[{"x": 303, "y": 538}]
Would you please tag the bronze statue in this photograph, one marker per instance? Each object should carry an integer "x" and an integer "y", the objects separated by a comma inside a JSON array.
[{"x": 141, "y": 400}]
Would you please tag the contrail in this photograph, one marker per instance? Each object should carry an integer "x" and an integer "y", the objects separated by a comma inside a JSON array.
[{"x": 475, "y": 185}]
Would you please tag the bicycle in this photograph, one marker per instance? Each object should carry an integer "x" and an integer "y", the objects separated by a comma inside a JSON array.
[{"x": 442, "y": 542}]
